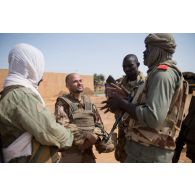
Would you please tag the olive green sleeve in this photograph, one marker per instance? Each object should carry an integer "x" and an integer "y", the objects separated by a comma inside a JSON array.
[
  {"x": 38, "y": 121},
  {"x": 161, "y": 87}
]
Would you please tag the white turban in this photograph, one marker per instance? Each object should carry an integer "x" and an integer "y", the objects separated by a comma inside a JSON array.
[{"x": 26, "y": 67}]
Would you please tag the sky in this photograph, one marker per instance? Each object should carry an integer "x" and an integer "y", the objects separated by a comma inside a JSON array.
[
  {"x": 89, "y": 53},
  {"x": 97, "y": 53}
]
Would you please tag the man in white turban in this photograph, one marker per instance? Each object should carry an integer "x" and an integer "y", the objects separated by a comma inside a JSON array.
[{"x": 29, "y": 133}]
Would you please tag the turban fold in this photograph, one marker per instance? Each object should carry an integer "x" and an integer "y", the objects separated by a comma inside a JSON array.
[{"x": 164, "y": 41}]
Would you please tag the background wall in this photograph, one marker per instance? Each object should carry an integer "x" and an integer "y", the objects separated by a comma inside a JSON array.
[{"x": 54, "y": 83}]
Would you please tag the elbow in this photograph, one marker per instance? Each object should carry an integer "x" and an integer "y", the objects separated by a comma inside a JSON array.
[
  {"x": 154, "y": 122},
  {"x": 149, "y": 118}
]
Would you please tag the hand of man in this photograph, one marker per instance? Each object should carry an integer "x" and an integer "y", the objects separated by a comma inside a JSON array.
[
  {"x": 113, "y": 90},
  {"x": 89, "y": 141},
  {"x": 113, "y": 104}
]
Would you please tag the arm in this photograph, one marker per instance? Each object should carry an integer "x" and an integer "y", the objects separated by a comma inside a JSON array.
[
  {"x": 39, "y": 122},
  {"x": 97, "y": 118},
  {"x": 116, "y": 103},
  {"x": 61, "y": 114},
  {"x": 161, "y": 87}
]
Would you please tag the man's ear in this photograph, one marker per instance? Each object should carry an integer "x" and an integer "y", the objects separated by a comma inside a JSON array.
[{"x": 138, "y": 64}]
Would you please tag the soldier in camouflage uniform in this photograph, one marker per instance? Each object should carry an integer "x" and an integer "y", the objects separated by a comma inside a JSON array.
[
  {"x": 157, "y": 110},
  {"x": 77, "y": 110},
  {"x": 129, "y": 83},
  {"x": 28, "y": 131}
]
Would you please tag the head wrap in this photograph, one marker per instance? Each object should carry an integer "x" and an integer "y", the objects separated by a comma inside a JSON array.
[
  {"x": 160, "y": 46},
  {"x": 26, "y": 67},
  {"x": 164, "y": 41}
]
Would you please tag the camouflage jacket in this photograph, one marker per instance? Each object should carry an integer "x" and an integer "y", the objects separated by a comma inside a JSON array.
[
  {"x": 160, "y": 108},
  {"x": 64, "y": 115},
  {"x": 131, "y": 88}
]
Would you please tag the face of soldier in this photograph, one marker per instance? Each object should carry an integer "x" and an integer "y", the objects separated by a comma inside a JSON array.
[
  {"x": 146, "y": 54},
  {"x": 152, "y": 56},
  {"x": 75, "y": 84},
  {"x": 130, "y": 67}
]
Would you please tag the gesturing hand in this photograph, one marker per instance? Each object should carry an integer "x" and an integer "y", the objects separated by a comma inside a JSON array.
[{"x": 112, "y": 104}]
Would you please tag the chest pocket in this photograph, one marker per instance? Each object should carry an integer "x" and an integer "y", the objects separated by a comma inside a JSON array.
[{"x": 82, "y": 116}]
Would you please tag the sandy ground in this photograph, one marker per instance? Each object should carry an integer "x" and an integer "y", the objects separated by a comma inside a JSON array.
[{"x": 108, "y": 120}]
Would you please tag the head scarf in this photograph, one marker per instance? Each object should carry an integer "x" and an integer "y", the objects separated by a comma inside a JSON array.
[
  {"x": 26, "y": 67},
  {"x": 160, "y": 46}
]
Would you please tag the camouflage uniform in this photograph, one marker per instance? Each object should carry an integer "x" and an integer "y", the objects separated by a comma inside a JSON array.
[
  {"x": 15, "y": 119},
  {"x": 83, "y": 115},
  {"x": 160, "y": 106},
  {"x": 131, "y": 88}
]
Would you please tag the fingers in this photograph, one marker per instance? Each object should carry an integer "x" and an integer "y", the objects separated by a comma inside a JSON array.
[
  {"x": 106, "y": 111},
  {"x": 104, "y": 107},
  {"x": 104, "y": 102},
  {"x": 115, "y": 86}
]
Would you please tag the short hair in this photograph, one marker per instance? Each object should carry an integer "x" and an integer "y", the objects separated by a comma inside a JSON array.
[
  {"x": 68, "y": 77},
  {"x": 126, "y": 58}
]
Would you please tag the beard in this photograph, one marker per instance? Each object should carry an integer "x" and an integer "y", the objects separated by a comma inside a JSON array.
[{"x": 78, "y": 90}]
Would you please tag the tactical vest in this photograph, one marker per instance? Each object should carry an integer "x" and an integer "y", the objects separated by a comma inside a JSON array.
[
  {"x": 164, "y": 136},
  {"x": 131, "y": 89},
  {"x": 40, "y": 153},
  {"x": 83, "y": 118}
]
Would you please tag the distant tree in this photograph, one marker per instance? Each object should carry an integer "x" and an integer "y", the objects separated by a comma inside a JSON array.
[{"x": 98, "y": 79}]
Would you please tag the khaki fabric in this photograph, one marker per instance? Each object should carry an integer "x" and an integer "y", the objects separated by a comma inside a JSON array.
[
  {"x": 85, "y": 117},
  {"x": 138, "y": 153},
  {"x": 164, "y": 41},
  {"x": 159, "y": 96},
  {"x": 43, "y": 154},
  {"x": 74, "y": 155},
  {"x": 21, "y": 111},
  {"x": 131, "y": 88},
  {"x": 160, "y": 47},
  {"x": 15, "y": 117}
]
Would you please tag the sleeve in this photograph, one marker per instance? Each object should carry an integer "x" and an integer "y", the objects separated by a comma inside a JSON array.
[
  {"x": 61, "y": 114},
  {"x": 97, "y": 117},
  {"x": 39, "y": 122},
  {"x": 62, "y": 117},
  {"x": 160, "y": 90}
]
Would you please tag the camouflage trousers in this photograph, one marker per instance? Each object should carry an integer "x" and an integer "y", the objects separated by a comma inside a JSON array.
[
  {"x": 138, "y": 153},
  {"x": 74, "y": 155}
]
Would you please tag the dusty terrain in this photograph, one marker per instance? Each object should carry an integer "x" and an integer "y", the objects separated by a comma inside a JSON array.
[{"x": 108, "y": 120}]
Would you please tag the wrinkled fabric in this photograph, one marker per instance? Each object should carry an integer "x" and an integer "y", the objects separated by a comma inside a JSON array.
[
  {"x": 164, "y": 41},
  {"x": 160, "y": 48},
  {"x": 26, "y": 67},
  {"x": 22, "y": 111},
  {"x": 20, "y": 147},
  {"x": 132, "y": 88},
  {"x": 138, "y": 153}
]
